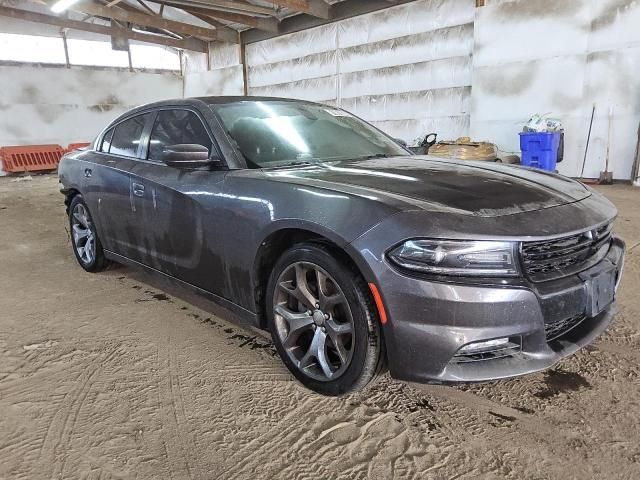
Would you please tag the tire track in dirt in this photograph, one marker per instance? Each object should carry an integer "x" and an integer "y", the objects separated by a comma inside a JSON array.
[
  {"x": 178, "y": 441},
  {"x": 265, "y": 445},
  {"x": 60, "y": 428}
]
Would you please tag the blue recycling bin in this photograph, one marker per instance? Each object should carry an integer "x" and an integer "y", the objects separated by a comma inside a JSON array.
[{"x": 540, "y": 149}]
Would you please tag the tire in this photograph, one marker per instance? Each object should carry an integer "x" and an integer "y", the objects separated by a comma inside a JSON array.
[
  {"x": 84, "y": 238},
  {"x": 342, "y": 321}
]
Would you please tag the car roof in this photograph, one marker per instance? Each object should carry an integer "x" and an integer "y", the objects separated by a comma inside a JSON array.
[
  {"x": 248, "y": 98},
  {"x": 199, "y": 101}
]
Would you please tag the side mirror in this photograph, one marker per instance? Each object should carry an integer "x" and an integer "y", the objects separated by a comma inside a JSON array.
[{"x": 187, "y": 155}]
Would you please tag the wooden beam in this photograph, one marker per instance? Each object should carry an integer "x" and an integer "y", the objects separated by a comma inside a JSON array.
[
  {"x": 245, "y": 69},
  {"x": 269, "y": 24},
  {"x": 148, "y": 9},
  {"x": 236, "y": 5},
  {"x": 225, "y": 34},
  {"x": 144, "y": 19},
  {"x": 186, "y": 44},
  {"x": 317, "y": 8}
]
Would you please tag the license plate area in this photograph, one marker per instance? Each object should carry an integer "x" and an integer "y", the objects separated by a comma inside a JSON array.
[{"x": 600, "y": 289}]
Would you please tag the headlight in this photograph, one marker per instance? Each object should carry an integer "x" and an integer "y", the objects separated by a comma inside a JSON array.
[{"x": 454, "y": 257}]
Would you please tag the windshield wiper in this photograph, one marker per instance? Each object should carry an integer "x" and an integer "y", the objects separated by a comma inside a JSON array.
[
  {"x": 375, "y": 155},
  {"x": 291, "y": 164}
]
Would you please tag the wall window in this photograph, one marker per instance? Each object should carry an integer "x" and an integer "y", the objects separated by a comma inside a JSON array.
[
  {"x": 126, "y": 137},
  {"x": 174, "y": 127},
  {"x": 150, "y": 56},
  {"x": 39, "y": 49},
  {"x": 30, "y": 48},
  {"x": 99, "y": 54}
]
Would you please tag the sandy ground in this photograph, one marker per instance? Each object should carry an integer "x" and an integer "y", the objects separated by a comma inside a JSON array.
[{"x": 115, "y": 376}]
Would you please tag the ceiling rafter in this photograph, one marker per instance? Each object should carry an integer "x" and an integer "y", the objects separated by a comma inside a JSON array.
[
  {"x": 144, "y": 19},
  {"x": 268, "y": 24},
  {"x": 29, "y": 16},
  {"x": 127, "y": 6},
  {"x": 225, "y": 34},
  {"x": 233, "y": 5},
  {"x": 316, "y": 8}
]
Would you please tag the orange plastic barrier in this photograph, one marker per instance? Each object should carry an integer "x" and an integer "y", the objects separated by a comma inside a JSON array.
[
  {"x": 76, "y": 146},
  {"x": 30, "y": 158}
]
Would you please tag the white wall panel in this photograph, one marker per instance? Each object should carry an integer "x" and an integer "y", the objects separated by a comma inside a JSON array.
[
  {"x": 224, "y": 54},
  {"x": 60, "y": 105},
  {"x": 225, "y": 77},
  {"x": 448, "y": 72},
  {"x": 405, "y": 65},
  {"x": 307, "y": 67},
  {"x": 442, "y": 43},
  {"x": 530, "y": 29},
  {"x": 410, "y": 105},
  {"x": 294, "y": 45},
  {"x": 315, "y": 89},
  {"x": 403, "y": 20},
  {"x": 560, "y": 58},
  {"x": 218, "y": 81}
]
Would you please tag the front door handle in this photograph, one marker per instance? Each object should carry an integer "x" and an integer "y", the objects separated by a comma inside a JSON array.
[
  {"x": 138, "y": 189},
  {"x": 87, "y": 172}
]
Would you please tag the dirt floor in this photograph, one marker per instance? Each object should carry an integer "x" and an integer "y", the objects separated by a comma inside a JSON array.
[{"x": 115, "y": 376}]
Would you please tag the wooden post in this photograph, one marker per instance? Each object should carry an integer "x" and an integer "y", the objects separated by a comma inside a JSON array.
[
  {"x": 66, "y": 47},
  {"x": 243, "y": 61}
]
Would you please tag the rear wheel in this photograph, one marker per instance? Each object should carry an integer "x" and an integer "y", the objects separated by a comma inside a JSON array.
[
  {"x": 322, "y": 321},
  {"x": 84, "y": 238}
]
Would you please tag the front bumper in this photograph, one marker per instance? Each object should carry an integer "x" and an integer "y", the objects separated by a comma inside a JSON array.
[{"x": 430, "y": 321}]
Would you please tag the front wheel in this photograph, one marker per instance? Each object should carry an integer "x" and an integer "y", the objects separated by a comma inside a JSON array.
[{"x": 323, "y": 322}]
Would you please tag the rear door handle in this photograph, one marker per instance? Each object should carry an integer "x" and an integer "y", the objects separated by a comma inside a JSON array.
[
  {"x": 87, "y": 172},
  {"x": 138, "y": 189}
]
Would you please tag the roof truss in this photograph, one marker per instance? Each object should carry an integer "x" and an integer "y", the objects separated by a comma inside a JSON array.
[
  {"x": 186, "y": 43},
  {"x": 149, "y": 15}
]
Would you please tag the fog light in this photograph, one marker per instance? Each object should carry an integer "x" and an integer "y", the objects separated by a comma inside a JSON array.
[{"x": 486, "y": 345}]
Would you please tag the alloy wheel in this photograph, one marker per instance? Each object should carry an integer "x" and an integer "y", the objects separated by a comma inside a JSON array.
[
  {"x": 83, "y": 238},
  {"x": 313, "y": 321}
]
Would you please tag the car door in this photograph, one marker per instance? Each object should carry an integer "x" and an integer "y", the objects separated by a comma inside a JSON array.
[
  {"x": 177, "y": 206},
  {"x": 119, "y": 148}
]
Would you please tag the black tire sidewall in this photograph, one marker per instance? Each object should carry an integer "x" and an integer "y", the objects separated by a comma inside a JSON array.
[{"x": 366, "y": 353}]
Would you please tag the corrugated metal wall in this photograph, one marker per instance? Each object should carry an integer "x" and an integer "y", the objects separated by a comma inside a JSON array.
[{"x": 406, "y": 69}]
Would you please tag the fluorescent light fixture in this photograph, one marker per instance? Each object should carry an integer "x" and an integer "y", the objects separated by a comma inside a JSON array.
[{"x": 62, "y": 5}]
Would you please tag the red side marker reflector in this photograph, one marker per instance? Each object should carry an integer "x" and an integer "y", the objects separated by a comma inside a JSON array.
[{"x": 380, "y": 306}]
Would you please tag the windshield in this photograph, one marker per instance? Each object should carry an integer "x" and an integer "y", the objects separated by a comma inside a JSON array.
[{"x": 280, "y": 133}]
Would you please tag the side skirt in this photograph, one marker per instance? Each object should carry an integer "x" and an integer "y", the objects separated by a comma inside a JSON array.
[{"x": 247, "y": 318}]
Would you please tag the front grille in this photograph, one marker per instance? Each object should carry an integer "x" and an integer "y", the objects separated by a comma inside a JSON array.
[
  {"x": 557, "y": 329},
  {"x": 548, "y": 259}
]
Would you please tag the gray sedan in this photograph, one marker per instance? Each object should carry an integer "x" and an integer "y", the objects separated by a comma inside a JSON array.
[{"x": 355, "y": 254}]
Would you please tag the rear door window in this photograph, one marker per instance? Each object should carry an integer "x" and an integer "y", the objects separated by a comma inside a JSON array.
[
  {"x": 174, "y": 127},
  {"x": 127, "y": 136}
]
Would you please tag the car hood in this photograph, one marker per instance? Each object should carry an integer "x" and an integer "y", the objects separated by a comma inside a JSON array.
[{"x": 423, "y": 182}]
